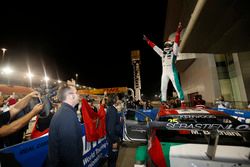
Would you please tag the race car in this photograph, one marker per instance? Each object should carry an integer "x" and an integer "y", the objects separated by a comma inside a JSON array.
[{"x": 194, "y": 137}]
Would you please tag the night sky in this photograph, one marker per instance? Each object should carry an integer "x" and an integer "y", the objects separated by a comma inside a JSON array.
[{"x": 92, "y": 39}]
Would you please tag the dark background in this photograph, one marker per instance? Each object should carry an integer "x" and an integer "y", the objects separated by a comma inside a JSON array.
[{"x": 92, "y": 39}]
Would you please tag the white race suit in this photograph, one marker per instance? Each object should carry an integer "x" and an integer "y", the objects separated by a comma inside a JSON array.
[{"x": 168, "y": 68}]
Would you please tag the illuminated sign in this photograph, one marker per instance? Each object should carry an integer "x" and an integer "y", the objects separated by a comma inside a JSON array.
[{"x": 102, "y": 90}]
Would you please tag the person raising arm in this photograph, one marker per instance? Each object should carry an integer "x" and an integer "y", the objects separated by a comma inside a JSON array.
[{"x": 7, "y": 129}]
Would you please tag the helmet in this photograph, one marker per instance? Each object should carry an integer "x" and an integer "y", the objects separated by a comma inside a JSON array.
[{"x": 168, "y": 44}]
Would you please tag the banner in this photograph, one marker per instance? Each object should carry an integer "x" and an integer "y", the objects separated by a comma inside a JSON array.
[
  {"x": 102, "y": 90},
  {"x": 34, "y": 153}
]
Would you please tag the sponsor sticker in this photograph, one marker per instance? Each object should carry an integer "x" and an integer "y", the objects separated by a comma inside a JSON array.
[
  {"x": 192, "y": 111},
  {"x": 206, "y": 126},
  {"x": 221, "y": 133},
  {"x": 197, "y": 116}
]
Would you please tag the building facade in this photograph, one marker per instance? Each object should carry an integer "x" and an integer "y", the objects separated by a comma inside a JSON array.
[{"x": 215, "y": 49}]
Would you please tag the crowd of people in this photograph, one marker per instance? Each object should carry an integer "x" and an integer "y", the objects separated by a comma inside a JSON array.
[
  {"x": 222, "y": 104},
  {"x": 10, "y": 121},
  {"x": 64, "y": 126},
  {"x": 65, "y": 137},
  {"x": 139, "y": 104}
]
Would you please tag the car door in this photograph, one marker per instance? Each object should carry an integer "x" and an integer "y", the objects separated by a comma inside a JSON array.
[{"x": 135, "y": 125}]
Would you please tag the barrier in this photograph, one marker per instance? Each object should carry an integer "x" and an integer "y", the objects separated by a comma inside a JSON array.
[
  {"x": 34, "y": 152},
  {"x": 242, "y": 115},
  {"x": 150, "y": 113}
]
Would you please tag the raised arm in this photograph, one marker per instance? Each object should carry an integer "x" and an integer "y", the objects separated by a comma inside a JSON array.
[
  {"x": 152, "y": 45},
  {"x": 16, "y": 108},
  {"x": 178, "y": 34},
  {"x": 177, "y": 39},
  {"x": 14, "y": 126}
]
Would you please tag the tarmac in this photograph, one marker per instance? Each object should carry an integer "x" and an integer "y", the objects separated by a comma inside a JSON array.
[{"x": 126, "y": 156}]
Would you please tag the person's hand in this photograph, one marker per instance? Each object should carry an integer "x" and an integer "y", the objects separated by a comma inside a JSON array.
[
  {"x": 34, "y": 94},
  {"x": 37, "y": 108},
  {"x": 115, "y": 145},
  {"x": 71, "y": 83},
  {"x": 179, "y": 28},
  {"x": 103, "y": 101},
  {"x": 105, "y": 93},
  {"x": 145, "y": 37}
]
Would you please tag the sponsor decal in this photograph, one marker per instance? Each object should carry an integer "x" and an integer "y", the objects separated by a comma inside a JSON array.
[
  {"x": 242, "y": 119},
  {"x": 137, "y": 75},
  {"x": 31, "y": 148},
  {"x": 192, "y": 111},
  {"x": 238, "y": 112},
  {"x": 196, "y": 116},
  {"x": 173, "y": 120},
  {"x": 93, "y": 152},
  {"x": 221, "y": 133},
  {"x": 34, "y": 152},
  {"x": 242, "y": 115},
  {"x": 102, "y": 90},
  {"x": 206, "y": 126},
  {"x": 28, "y": 154}
]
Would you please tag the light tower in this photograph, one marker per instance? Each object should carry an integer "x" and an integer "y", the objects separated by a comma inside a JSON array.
[
  {"x": 2, "y": 60},
  {"x": 135, "y": 57},
  {"x": 4, "y": 50}
]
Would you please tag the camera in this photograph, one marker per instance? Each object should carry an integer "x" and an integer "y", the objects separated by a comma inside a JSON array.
[{"x": 47, "y": 92}]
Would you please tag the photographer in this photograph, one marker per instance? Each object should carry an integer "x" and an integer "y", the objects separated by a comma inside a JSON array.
[
  {"x": 43, "y": 119},
  {"x": 7, "y": 128}
]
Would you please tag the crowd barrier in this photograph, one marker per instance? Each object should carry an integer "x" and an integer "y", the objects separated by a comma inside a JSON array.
[
  {"x": 34, "y": 152},
  {"x": 150, "y": 113},
  {"x": 242, "y": 115}
]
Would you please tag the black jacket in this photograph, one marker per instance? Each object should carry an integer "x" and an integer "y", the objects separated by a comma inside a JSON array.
[
  {"x": 65, "y": 139},
  {"x": 113, "y": 124}
]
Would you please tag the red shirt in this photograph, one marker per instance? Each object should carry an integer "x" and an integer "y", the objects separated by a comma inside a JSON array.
[{"x": 11, "y": 101}]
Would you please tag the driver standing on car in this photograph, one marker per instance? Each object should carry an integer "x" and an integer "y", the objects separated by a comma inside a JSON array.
[{"x": 169, "y": 55}]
